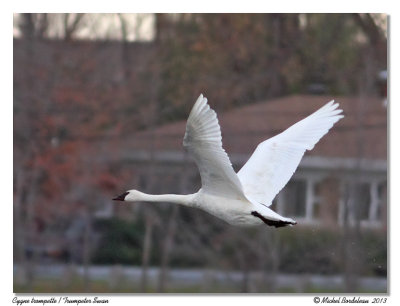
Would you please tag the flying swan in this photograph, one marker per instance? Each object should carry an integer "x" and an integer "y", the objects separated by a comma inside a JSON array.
[{"x": 243, "y": 198}]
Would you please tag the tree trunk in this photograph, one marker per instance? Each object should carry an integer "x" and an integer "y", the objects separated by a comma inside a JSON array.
[
  {"x": 87, "y": 253},
  {"x": 146, "y": 251},
  {"x": 167, "y": 249}
]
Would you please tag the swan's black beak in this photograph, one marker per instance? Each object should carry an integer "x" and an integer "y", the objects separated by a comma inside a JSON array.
[{"x": 121, "y": 197}]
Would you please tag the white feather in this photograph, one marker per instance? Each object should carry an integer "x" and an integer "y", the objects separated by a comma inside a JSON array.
[
  {"x": 203, "y": 141},
  {"x": 275, "y": 160}
]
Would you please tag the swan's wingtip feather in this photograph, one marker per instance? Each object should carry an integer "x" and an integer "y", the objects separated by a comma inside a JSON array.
[
  {"x": 331, "y": 109},
  {"x": 202, "y": 100},
  {"x": 198, "y": 106}
]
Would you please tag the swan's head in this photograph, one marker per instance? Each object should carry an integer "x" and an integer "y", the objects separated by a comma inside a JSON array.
[{"x": 130, "y": 195}]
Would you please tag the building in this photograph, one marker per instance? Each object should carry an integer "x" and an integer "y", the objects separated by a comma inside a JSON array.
[{"x": 346, "y": 169}]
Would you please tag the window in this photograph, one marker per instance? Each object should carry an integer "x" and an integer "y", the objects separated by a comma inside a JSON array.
[
  {"x": 295, "y": 199},
  {"x": 364, "y": 202},
  {"x": 382, "y": 188},
  {"x": 299, "y": 199},
  {"x": 362, "y": 198}
]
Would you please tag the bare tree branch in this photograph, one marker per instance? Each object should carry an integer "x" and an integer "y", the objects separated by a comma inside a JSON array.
[
  {"x": 370, "y": 28},
  {"x": 71, "y": 27},
  {"x": 124, "y": 30}
]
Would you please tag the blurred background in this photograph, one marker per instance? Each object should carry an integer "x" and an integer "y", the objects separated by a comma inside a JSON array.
[{"x": 100, "y": 105}]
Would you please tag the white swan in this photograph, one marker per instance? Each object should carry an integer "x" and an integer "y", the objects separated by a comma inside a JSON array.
[{"x": 243, "y": 199}]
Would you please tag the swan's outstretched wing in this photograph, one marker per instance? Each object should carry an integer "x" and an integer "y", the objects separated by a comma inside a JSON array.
[
  {"x": 274, "y": 161},
  {"x": 203, "y": 141}
]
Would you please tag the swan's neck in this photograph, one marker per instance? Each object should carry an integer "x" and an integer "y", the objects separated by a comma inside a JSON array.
[{"x": 171, "y": 198}]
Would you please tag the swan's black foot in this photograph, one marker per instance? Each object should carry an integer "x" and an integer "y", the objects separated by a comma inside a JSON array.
[{"x": 272, "y": 222}]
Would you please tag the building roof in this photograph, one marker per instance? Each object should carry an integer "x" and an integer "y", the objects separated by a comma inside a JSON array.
[{"x": 362, "y": 133}]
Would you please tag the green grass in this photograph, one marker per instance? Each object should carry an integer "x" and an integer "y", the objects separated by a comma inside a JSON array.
[{"x": 99, "y": 286}]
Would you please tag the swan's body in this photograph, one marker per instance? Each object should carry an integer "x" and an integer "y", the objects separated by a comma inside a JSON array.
[{"x": 243, "y": 199}]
